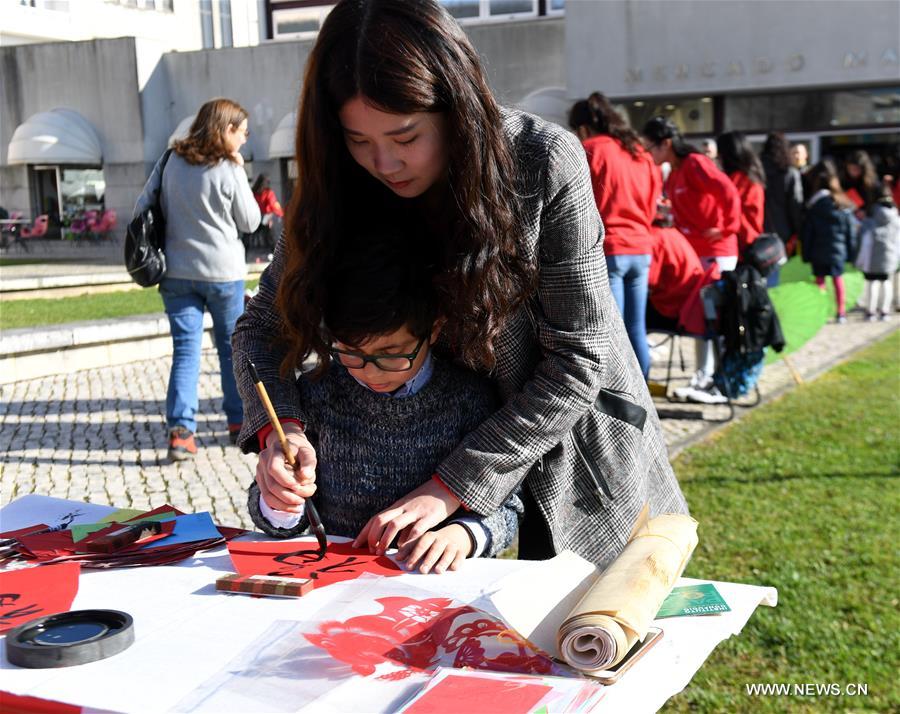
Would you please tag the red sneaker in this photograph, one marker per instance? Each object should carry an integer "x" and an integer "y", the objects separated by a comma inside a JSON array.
[{"x": 181, "y": 444}]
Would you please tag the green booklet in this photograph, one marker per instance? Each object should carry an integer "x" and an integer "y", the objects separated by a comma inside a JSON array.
[{"x": 701, "y": 599}]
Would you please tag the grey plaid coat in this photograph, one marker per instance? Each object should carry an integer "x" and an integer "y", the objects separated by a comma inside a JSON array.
[{"x": 577, "y": 420}]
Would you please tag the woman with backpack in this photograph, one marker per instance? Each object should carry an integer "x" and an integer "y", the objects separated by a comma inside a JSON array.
[
  {"x": 207, "y": 203},
  {"x": 829, "y": 232}
]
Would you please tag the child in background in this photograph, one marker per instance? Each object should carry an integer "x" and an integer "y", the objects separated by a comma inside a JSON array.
[
  {"x": 829, "y": 231},
  {"x": 879, "y": 254},
  {"x": 385, "y": 411}
]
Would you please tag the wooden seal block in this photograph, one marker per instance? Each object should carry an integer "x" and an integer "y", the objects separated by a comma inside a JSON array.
[{"x": 267, "y": 585}]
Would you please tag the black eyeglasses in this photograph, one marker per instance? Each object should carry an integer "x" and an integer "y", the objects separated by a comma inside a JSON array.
[{"x": 386, "y": 363}]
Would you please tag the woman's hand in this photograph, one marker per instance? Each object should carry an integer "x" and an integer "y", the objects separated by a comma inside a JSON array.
[
  {"x": 438, "y": 550},
  {"x": 283, "y": 488},
  {"x": 410, "y": 517}
]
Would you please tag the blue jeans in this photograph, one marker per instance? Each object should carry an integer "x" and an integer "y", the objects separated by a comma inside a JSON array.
[
  {"x": 185, "y": 301},
  {"x": 628, "y": 282}
]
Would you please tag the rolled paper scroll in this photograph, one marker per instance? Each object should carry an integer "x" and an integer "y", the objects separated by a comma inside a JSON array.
[{"x": 617, "y": 610}]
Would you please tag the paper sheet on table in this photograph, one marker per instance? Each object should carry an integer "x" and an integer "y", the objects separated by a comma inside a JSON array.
[
  {"x": 601, "y": 614},
  {"x": 55, "y": 512}
]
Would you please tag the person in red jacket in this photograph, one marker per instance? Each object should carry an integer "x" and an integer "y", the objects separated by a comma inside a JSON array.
[
  {"x": 706, "y": 208},
  {"x": 675, "y": 279},
  {"x": 627, "y": 185},
  {"x": 269, "y": 207},
  {"x": 746, "y": 173}
]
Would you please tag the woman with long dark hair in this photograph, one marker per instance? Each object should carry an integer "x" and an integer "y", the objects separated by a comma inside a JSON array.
[
  {"x": 860, "y": 182},
  {"x": 784, "y": 193},
  {"x": 396, "y": 117},
  {"x": 207, "y": 203},
  {"x": 742, "y": 166},
  {"x": 627, "y": 185},
  {"x": 706, "y": 208}
]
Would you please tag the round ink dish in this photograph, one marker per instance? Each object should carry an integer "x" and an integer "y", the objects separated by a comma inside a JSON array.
[{"x": 69, "y": 638}]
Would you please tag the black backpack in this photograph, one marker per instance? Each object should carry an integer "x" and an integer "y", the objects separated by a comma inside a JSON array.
[
  {"x": 765, "y": 253},
  {"x": 145, "y": 241},
  {"x": 748, "y": 324},
  {"x": 747, "y": 318}
]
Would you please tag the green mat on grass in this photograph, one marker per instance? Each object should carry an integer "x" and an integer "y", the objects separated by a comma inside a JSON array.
[{"x": 802, "y": 308}]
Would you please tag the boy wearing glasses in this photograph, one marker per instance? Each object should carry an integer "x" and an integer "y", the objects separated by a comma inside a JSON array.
[{"x": 387, "y": 411}]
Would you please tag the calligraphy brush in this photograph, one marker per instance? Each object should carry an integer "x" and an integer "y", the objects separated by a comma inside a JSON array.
[{"x": 312, "y": 515}]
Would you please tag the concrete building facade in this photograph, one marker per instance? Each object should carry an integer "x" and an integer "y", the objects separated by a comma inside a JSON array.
[
  {"x": 825, "y": 73},
  {"x": 135, "y": 94}
]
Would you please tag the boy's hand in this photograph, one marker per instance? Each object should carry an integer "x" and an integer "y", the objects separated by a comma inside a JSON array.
[
  {"x": 282, "y": 488},
  {"x": 413, "y": 514},
  {"x": 440, "y": 550}
]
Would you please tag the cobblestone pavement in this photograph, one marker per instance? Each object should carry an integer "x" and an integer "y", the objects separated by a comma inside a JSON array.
[{"x": 99, "y": 435}]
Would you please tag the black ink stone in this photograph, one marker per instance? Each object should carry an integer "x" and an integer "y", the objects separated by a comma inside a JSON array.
[{"x": 69, "y": 638}]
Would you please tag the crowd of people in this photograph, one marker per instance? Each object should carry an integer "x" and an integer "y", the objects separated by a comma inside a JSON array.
[
  {"x": 677, "y": 216},
  {"x": 444, "y": 265}
]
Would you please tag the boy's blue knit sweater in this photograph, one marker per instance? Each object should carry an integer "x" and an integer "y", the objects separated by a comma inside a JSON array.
[{"x": 372, "y": 450}]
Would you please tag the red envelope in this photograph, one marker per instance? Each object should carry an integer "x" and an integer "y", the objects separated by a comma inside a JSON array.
[
  {"x": 37, "y": 591},
  {"x": 298, "y": 559}
]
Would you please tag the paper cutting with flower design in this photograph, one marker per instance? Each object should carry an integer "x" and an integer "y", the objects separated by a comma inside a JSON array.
[
  {"x": 419, "y": 634},
  {"x": 301, "y": 559}
]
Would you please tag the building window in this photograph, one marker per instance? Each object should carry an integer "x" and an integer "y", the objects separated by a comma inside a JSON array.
[
  {"x": 206, "y": 23},
  {"x": 463, "y": 9},
  {"x": 298, "y": 23},
  {"x": 693, "y": 115},
  {"x": 512, "y": 7},
  {"x": 225, "y": 26},
  {"x": 808, "y": 111},
  {"x": 481, "y": 10}
]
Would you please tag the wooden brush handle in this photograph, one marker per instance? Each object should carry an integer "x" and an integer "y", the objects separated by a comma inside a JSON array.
[{"x": 276, "y": 425}]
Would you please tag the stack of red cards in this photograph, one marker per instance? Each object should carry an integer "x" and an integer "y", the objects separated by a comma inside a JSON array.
[{"x": 124, "y": 539}]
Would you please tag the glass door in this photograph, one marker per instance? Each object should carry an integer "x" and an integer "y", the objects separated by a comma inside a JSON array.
[{"x": 45, "y": 197}]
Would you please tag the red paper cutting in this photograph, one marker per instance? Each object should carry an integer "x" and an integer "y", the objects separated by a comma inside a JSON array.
[
  {"x": 300, "y": 559},
  {"x": 457, "y": 693},
  {"x": 34, "y": 592},
  {"x": 421, "y": 634}
]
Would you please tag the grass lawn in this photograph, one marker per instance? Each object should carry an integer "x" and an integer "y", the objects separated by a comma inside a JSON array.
[
  {"x": 96, "y": 306},
  {"x": 803, "y": 495}
]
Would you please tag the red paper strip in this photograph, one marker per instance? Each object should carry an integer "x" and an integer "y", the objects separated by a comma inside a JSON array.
[
  {"x": 34, "y": 592},
  {"x": 24, "y": 531},
  {"x": 299, "y": 559},
  {"x": 19, "y": 704},
  {"x": 458, "y": 693}
]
